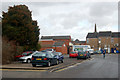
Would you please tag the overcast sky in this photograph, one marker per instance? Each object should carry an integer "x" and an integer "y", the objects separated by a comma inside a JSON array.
[{"x": 72, "y": 18}]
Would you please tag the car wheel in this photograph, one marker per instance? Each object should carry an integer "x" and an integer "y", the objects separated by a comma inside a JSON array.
[
  {"x": 48, "y": 64},
  {"x": 34, "y": 65},
  {"x": 86, "y": 57},
  {"x": 57, "y": 62},
  {"x": 28, "y": 60},
  {"x": 89, "y": 56}
]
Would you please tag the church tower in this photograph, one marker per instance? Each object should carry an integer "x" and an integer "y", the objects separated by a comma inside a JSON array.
[{"x": 95, "y": 28}]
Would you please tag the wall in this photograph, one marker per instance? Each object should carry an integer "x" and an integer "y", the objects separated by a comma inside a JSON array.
[
  {"x": 93, "y": 42},
  {"x": 62, "y": 49}
]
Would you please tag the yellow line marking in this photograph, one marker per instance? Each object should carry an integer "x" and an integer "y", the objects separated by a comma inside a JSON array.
[{"x": 20, "y": 70}]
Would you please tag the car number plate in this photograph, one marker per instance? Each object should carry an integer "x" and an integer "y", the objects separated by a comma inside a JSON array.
[
  {"x": 38, "y": 59},
  {"x": 81, "y": 55}
]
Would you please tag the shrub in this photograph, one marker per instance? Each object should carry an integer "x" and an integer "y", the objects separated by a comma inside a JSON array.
[{"x": 9, "y": 50}]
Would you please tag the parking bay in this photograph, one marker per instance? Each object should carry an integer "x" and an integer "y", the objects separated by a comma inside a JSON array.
[{"x": 28, "y": 66}]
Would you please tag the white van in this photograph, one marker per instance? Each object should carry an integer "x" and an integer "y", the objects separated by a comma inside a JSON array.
[
  {"x": 91, "y": 51},
  {"x": 81, "y": 47}
]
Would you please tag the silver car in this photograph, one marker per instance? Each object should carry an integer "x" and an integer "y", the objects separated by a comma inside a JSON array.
[{"x": 27, "y": 58}]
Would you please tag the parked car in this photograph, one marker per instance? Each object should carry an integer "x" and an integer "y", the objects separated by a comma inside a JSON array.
[
  {"x": 83, "y": 54},
  {"x": 27, "y": 58},
  {"x": 23, "y": 54},
  {"x": 91, "y": 51},
  {"x": 43, "y": 51},
  {"x": 73, "y": 54},
  {"x": 50, "y": 50},
  {"x": 97, "y": 52},
  {"x": 44, "y": 58},
  {"x": 59, "y": 56}
]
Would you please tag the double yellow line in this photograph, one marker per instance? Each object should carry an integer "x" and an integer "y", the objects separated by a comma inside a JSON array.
[{"x": 19, "y": 70}]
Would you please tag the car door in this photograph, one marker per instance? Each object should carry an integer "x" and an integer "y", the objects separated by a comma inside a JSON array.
[
  {"x": 54, "y": 59},
  {"x": 60, "y": 57},
  {"x": 50, "y": 58}
]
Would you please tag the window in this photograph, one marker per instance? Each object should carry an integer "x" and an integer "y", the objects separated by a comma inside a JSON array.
[
  {"x": 116, "y": 45},
  {"x": 99, "y": 40},
  {"x": 105, "y": 46},
  {"x": 40, "y": 54},
  {"x": 112, "y": 40}
]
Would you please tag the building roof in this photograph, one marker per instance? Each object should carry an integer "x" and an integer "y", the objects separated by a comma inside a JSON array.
[
  {"x": 105, "y": 34},
  {"x": 55, "y": 37},
  {"x": 116, "y": 34},
  {"x": 78, "y": 42},
  {"x": 92, "y": 35},
  {"x": 59, "y": 43}
]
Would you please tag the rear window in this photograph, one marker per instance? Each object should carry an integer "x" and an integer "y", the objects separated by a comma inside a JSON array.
[
  {"x": 40, "y": 54},
  {"x": 81, "y": 52}
]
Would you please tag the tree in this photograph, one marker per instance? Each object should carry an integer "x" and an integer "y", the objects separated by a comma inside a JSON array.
[{"x": 17, "y": 24}]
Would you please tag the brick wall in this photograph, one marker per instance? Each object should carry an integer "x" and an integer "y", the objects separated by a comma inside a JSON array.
[
  {"x": 93, "y": 42},
  {"x": 49, "y": 44},
  {"x": 66, "y": 41},
  {"x": 62, "y": 49},
  {"x": 104, "y": 41}
]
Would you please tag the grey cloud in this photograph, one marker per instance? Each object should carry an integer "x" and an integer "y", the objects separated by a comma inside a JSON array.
[
  {"x": 102, "y": 9},
  {"x": 63, "y": 18}
]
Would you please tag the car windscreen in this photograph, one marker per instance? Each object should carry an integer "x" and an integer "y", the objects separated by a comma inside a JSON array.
[
  {"x": 72, "y": 52},
  {"x": 40, "y": 54},
  {"x": 26, "y": 54},
  {"x": 43, "y": 51},
  {"x": 48, "y": 49}
]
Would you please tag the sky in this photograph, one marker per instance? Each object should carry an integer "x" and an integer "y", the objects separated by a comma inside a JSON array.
[{"x": 76, "y": 19}]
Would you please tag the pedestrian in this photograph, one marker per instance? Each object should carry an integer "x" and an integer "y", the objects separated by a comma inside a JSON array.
[{"x": 103, "y": 53}]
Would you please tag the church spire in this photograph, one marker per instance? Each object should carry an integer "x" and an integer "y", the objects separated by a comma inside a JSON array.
[{"x": 95, "y": 28}]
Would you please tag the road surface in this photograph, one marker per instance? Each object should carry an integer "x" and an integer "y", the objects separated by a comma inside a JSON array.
[{"x": 96, "y": 67}]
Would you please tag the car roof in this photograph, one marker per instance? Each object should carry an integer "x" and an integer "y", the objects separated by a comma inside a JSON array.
[{"x": 57, "y": 53}]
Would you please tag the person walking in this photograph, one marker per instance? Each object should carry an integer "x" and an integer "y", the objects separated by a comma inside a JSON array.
[{"x": 103, "y": 53}]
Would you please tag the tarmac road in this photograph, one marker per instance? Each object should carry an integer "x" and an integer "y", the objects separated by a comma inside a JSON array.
[{"x": 97, "y": 67}]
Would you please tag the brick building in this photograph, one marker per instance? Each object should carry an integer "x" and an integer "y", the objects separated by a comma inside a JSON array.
[
  {"x": 104, "y": 40},
  {"x": 77, "y": 42},
  {"x": 58, "y": 43}
]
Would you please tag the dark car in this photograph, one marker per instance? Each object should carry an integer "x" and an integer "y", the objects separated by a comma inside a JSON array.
[
  {"x": 59, "y": 56},
  {"x": 44, "y": 58},
  {"x": 83, "y": 55}
]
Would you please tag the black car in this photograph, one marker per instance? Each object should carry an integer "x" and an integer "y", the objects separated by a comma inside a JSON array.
[
  {"x": 83, "y": 54},
  {"x": 44, "y": 58},
  {"x": 59, "y": 56}
]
